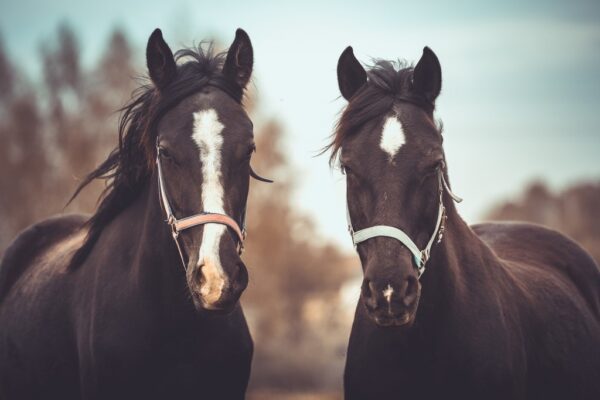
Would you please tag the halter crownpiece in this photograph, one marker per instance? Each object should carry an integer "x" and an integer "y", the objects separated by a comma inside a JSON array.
[
  {"x": 420, "y": 256},
  {"x": 202, "y": 218}
]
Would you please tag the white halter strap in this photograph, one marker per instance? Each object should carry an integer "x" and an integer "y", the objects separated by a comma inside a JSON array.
[{"x": 420, "y": 256}]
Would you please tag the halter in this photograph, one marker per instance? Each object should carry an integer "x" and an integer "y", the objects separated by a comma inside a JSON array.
[
  {"x": 202, "y": 218},
  {"x": 420, "y": 256}
]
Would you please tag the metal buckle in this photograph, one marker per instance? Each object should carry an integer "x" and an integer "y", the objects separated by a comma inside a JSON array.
[
  {"x": 442, "y": 229},
  {"x": 172, "y": 221},
  {"x": 421, "y": 265},
  {"x": 424, "y": 257},
  {"x": 351, "y": 231}
]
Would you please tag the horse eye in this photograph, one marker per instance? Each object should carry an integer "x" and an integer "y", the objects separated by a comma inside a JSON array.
[
  {"x": 166, "y": 154},
  {"x": 435, "y": 166}
]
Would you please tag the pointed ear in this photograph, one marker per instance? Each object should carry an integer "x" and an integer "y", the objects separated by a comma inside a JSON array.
[
  {"x": 160, "y": 61},
  {"x": 240, "y": 59},
  {"x": 351, "y": 75},
  {"x": 427, "y": 76}
]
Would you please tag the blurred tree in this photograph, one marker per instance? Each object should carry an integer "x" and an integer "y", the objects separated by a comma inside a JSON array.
[
  {"x": 574, "y": 211},
  {"x": 92, "y": 131},
  {"x": 115, "y": 67},
  {"x": 23, "y": 156},
  {"x": 7, "y": 74},
  {"x": 64, "y": 122},
  {"x": 23, "y": 166},
  {"x": 295, "y": 278},
  {"x": 62, "y": 69},
  {"x": 53, "y": 135}
]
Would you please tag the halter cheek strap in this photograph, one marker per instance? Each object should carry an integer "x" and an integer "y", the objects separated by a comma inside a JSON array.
[
  {"x": 420, "y": 256},
  {"x": 203, "y": 218}
]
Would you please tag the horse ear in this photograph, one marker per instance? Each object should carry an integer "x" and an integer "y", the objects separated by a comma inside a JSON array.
[
  {"x": 240, "y": 59},
  {"x": 351, "y": 75},
  {"x": 427, "y": 76},
  {"x": 160, "y": 61}
]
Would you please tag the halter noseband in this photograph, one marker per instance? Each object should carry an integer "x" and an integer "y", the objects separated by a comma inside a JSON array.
[
  {"x": 420, "y": 256},
  {"x": 204, "y": 217}
]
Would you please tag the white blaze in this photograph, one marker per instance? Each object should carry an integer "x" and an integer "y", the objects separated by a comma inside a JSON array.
[
  {"x": 207, "y": 135},
  {"x": 392, "y": 136},
  {"x": 387, "y": 293}
]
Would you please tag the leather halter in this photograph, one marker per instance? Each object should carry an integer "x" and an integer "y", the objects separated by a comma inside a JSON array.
[
  {"x": 202, "y": 218},
  {"x": 420, "y": 256}
]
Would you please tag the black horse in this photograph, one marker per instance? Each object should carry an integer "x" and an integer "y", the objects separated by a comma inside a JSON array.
[
  {"x": 502, "y": 311},
  {"x": 124, "y": 304}
]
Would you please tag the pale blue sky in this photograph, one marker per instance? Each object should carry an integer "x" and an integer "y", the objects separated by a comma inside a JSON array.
[{"x": 520, "y": 99}]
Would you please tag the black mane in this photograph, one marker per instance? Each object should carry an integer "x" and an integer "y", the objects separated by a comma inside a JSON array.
[
  {"x": 130, "y": 165},
  {"x": 387, "y": 83}
]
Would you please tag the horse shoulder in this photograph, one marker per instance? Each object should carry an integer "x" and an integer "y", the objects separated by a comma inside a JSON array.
[{"x": 31, "y": 243}]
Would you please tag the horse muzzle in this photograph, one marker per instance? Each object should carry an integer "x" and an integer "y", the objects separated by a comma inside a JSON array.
[
  {"x": 215, "y": 289},
  {"x": 390, "y": 304}
]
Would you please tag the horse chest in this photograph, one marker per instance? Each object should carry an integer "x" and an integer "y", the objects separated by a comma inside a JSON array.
[
  {"x": 381, "y": 363},
  {"x": 180, "y": 354}
]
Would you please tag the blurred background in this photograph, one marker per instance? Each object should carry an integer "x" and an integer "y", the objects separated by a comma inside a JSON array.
[{"x": 520, "y": 105}]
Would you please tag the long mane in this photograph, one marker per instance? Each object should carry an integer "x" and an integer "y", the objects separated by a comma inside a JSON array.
[
  {"x": 387, "y": 82},
  {"x": 130, "y": 165}
]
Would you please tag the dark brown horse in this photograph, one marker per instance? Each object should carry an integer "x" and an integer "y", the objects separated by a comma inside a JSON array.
[
  {"x": 137, "y": 301},
  {"x": 502, "y": 311}
]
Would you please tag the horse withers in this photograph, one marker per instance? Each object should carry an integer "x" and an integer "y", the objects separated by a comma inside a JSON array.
[
  {"x": 140, "y": 300},
  {"x": 492, "y": 311}
]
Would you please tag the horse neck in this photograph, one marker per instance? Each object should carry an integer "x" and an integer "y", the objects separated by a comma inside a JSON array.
[
  {"x": 458, "y": 265},
  {"x": 154, "y": 263}
]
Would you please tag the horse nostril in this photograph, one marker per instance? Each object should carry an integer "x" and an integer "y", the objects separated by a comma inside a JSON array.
[
  {"x": 239, "y": 278},
  {"x": 372, "y": 287},
  {"x": 365, "y": 288},
  {"x": 368, "y": 291},
  {"x": 197, "y": 275},
  {"x": 409, "y": 291}
]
